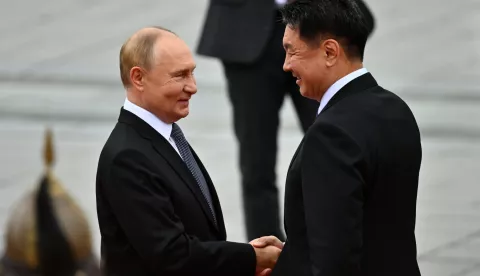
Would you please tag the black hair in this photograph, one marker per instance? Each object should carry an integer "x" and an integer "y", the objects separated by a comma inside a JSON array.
[{"x": 350, "y": 22}]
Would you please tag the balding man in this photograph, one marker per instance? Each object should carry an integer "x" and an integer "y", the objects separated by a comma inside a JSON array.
[{"x": 157, "y": 208}]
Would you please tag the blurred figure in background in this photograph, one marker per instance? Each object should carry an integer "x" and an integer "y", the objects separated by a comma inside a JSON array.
[
  {"x": 246, "y": 35},
  {"x": 48, "y": 234}
]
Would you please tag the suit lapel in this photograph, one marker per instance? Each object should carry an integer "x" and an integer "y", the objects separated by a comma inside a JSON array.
[
  {"x": 215, "y": 200},
  {"x": 165, "y": 149},
  {"x": 295, "y": 155}
]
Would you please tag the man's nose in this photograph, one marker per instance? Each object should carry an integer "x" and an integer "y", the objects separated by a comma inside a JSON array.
[
  {"x": 191, "y": 85},
  {"x": 286, "y": 65}
]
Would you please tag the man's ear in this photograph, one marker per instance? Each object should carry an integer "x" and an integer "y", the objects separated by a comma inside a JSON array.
[
  {"x": 332, "y": 51},
  {"x": 137, "y": 76}
]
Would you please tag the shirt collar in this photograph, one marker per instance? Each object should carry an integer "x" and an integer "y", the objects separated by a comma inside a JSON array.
[
  {"x": 339, "y": 85},
  {"x": 161, "y": 127}
]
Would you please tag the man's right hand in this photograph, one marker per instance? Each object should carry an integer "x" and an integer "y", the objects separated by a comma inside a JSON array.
[
  {"x": 267, "y": 240},
  {"x": 266, "y": 259}
]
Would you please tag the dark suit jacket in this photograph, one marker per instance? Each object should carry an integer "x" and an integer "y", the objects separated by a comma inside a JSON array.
[
  {"x": 153, "y": 217},
  {"x": 351, "y": 189},
  {"x": 239, "y": 30}
]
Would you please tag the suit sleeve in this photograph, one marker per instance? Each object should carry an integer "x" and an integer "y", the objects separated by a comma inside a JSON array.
[
  {"x": 144, "y": 211},
  {"x": 332, "y": 187}
]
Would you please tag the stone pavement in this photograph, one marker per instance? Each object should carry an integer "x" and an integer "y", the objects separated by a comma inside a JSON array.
[{"x": 58, "y": 67}]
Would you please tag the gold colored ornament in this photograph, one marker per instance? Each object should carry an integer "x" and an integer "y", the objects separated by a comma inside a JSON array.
[{"x": 21, "y": 237}]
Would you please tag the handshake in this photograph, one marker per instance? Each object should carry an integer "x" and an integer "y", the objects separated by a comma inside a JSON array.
[{"x": 267, "y": 249}]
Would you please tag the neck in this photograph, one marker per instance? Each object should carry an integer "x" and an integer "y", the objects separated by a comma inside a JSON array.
[
  {"x": 348, "y": 68},
  {"x": 341, "y": 71},
  {"x": 132, "y": 97}
]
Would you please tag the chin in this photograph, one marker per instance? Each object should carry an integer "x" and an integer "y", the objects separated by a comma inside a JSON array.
[
  {"x": 304, "y": 92},
  {"x": 183, "y": 113},
  {"x": 309, "y": 93}
]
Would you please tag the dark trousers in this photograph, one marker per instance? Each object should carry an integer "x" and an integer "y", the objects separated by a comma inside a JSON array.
[{"x": 256, "y": 93}]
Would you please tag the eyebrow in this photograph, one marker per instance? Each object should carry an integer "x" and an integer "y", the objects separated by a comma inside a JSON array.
[{"x": 184, "y": 70}]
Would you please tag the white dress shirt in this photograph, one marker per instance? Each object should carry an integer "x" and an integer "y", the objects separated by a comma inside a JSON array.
[
  {"x": 163, "y": 128},
  {"x": 339, "y": 85}
]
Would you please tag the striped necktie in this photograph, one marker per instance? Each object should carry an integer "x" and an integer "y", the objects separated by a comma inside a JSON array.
[{"x": 187, "y": 156}]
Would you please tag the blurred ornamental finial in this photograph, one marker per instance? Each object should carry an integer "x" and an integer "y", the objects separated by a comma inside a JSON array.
[
  {"x": 47, "y": 233},
  {"x": 49, "y": 153}
]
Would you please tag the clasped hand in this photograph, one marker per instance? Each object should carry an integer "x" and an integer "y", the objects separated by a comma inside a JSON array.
[{"x": 268, "y": 250}]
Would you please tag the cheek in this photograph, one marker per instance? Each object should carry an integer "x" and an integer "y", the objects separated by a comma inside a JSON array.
[
  {"x": 313, "y": 71},
  {"x": 168, "y": 90},
  {"x": 170, "y": 97},
  {"x": 163, "y": 96},
  {"x": 301, "y": 67}
]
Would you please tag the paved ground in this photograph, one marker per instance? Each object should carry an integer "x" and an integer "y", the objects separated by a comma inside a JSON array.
[{"x": 58, "y": 67}]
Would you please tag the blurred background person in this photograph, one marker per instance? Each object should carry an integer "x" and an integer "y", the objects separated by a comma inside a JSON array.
[
  {"x": 47, "y": 233},
  {"x": 246, "y": 36}
]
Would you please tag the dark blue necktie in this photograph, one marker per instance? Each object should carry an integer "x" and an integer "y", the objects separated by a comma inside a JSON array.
[{"x": 192, "y": 165}]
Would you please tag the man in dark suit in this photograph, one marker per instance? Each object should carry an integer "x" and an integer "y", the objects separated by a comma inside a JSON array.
[
  {"x": 351, "y": 189},
  {"x": 157, "y": 208},
  {"x": 246, "y": 35}
]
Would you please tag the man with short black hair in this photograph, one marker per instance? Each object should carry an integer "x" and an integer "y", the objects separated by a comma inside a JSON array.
[
  {"x": 246, "y": 36},
  {"x": 351, "y": 189}
]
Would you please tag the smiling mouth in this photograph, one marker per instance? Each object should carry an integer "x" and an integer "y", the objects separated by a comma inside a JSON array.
[{"x": 298, "y": 78}]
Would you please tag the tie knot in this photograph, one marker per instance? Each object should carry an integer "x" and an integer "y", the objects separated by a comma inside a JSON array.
[{"x": 177, "y": 133}]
